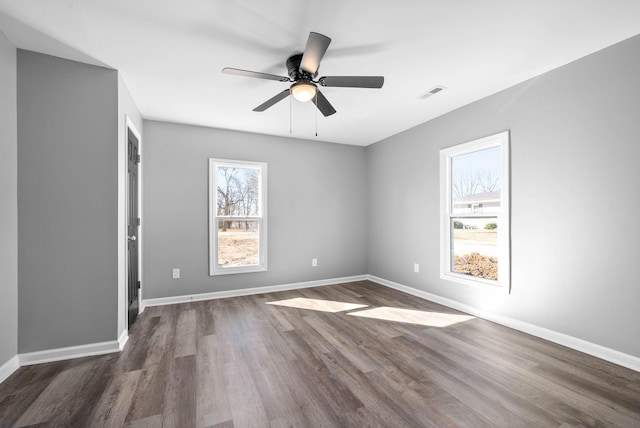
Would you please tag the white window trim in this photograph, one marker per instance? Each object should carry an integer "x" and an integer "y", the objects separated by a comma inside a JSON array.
[
  {"x": 446, "y": 213},
  {"x": 213, "y": 218}
]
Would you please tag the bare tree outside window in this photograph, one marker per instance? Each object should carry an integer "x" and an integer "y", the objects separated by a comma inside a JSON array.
[
  {"x": 465, "y": 183},
  {"x": 489, "y": 180},
  {"x": 237, "y": 194},
  {"x": 476, "y": 173}
]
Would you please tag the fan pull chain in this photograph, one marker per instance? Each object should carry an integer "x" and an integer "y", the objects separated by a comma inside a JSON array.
[
  {"x": 290, "y": 114},
  {"x": 316, "y": 109}
]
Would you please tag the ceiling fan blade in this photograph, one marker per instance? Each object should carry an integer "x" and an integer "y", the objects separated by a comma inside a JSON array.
[
  {"x": 323, "y": 104},
  {"x": 317, "y": 45},
  {"x": 352, "y": 81},
  {"x": 246, "y": 73},
  {"x": 271, "y": 101}
]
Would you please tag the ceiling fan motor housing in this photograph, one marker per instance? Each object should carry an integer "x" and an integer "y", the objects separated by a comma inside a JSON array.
[{"x": 293, "y": 67}]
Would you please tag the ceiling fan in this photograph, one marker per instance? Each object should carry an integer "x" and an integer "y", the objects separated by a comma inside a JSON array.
[{"x": 303, "y": 69}]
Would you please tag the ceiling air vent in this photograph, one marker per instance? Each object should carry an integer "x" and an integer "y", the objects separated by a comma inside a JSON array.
[{"x": 433, "y": 91}]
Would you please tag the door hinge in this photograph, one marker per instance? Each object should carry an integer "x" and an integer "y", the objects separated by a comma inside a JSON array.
[
  {"x": 138, "y": 221},
  {"x": 138, "y": 284},
  {"x": 137, "y": 158}
]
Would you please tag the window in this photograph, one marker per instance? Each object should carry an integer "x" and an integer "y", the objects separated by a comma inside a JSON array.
[
  {"x": 474, "y": 189},
  {"x": 237, "y": 217}
]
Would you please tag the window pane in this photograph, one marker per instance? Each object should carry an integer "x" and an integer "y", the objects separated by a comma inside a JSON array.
[
  {"x": 238, "y": 191},
  {"x": 475, "y": 181},
  {"x": 238, "y": 243},
  {"x": 474, "y": 246}
]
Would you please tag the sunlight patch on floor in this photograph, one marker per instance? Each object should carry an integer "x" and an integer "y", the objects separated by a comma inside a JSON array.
[
  {"x": 317, "y": 305},
  {"x": 431, "y": 319}
]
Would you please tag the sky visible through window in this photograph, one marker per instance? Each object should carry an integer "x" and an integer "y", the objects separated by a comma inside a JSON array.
[
  {"x": 476, "y": 172},
  {"x": 238, "y": 191}
]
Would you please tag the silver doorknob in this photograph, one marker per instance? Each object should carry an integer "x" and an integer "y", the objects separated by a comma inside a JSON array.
[{"x": 131, "y": 238}]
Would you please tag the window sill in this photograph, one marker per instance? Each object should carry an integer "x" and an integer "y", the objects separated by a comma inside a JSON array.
[
  {"x": 485, "y": 284},
  {"x": 237, "y": 270}
]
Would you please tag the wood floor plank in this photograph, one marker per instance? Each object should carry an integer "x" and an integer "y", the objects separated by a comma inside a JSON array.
[
  {"x": 593, "y": 399},
  {"x": 62, "y": 402},
  {"x": 567, "y": 360},
  {"x": 186, "y": 334},
  {"x": 247, "y": 407},
  {"x": 180, "y": 397},
  {"x": 491, "y": 380},
  {"x": 154, "y": 421},
  {"x": 113, "y": 407},
  {"x": 162, "y": 340},
  {"x": 279, "y": 320},
  {"x": 276, "y": 397},
  {"x": 225, "y": 424},
  {"x": 313, "y": 400},
  {"x": 274, "y": 341},
  {"x": 491, "y": 410},
  {"x": 388, "y": 410},
  {"x": 519, "y": 382},
  {"x": 212, "y": 407},
  {"x": 206, "y": 318},
  {"x": 297, "y": 318},
  {"x": 19, "y": 392},
  {"x": 341, "y": 343},
  {"x": 245, "y": 362},
  {"x": 135, "y": 355}
]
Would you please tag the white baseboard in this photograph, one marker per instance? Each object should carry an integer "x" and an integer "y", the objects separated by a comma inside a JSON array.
[
  {"x": 608, "y": 354},
  {"x": 248, "y": 291},
  {"x": 70, "y": 352},
  {"x": 8, "y": 368},
  {"x": 123, "y": 339}
]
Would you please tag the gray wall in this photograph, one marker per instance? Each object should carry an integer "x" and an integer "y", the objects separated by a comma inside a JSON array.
[
  {"x": 316, "y": 208},
  {"x": 8, "y": 203},
  {"x": 575, "y": 149},
  {"x": 67, "y": 202}
]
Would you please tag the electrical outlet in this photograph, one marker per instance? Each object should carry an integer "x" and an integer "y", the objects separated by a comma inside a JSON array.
[
  {"x": 314, "y": 262},
  {"x": 176, "y": 273},
  {"x": 416, "y": 267}
]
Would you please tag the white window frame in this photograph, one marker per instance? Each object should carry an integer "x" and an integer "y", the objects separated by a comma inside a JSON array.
[
  {"x": 503, "y": 216},
  {"x": 261, "y": 218}
]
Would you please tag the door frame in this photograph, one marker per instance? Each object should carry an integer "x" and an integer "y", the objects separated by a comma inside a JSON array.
[{"x": 130, "y": 126}]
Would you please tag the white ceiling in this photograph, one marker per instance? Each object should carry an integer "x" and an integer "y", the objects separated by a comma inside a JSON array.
[{"x": 171, "y": 53}]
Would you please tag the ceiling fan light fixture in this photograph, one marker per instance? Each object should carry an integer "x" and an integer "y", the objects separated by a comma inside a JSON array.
[{"x": 303, "y": 91}]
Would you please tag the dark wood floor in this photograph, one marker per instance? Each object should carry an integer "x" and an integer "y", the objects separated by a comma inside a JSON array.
[{"x": 242, "y": 362}]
